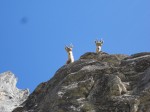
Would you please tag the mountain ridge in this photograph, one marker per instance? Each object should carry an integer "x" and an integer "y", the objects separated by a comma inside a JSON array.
[
  {"x": 97, "y": 82},
  {"x": 10, "y": 96}
]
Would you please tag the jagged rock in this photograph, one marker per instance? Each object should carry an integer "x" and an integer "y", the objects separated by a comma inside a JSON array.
[
  {"x": 10, "y": 96},
  {"x": 95, "y": 83}
]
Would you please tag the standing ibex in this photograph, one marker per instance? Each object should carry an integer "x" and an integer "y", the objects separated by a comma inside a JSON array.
[
  {"x": 99, "y": 45},
  {"x": 70, "y": 54}
]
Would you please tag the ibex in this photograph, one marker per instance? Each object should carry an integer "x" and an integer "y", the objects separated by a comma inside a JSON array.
[
  {"x": 98, "y": 45},
  {"x": 70, "y": 54}
]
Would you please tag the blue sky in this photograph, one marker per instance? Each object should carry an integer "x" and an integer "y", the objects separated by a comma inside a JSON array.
[{"x": 33, "y": 33}]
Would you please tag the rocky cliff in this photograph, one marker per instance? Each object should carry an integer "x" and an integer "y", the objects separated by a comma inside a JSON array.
[
  {"x": 95, "y": 83},
  {"x": 10, "y": 96}
]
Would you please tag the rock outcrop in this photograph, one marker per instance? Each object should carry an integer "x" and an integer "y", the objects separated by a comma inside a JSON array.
[
  {"x": 10, "y": 96},
  {"x": 95, "y": 83}
]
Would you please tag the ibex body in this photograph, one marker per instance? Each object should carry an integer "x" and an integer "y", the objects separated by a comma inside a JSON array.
[
  {"x": 99, "y": 45},
  {"x": 70, "y": 54}
]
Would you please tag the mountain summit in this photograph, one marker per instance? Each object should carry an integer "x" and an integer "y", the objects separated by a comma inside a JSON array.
[
  {"x": 97, "y": 82},
  {"x": 10, "y": 96}
]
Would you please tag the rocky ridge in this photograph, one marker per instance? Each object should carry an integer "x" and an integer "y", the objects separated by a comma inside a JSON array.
[
  {"x": 95, "y": 83},
  {"x": 10, "y": 96}
]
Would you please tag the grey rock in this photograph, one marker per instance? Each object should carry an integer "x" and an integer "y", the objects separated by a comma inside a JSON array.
[
  {"x": 95, "y": 83},
  {"x": 10, "y": 96}
]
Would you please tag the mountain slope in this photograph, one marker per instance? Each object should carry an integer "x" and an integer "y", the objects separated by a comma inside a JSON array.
[
  {"x": 10, "y": 96},
  {"x": 95, "y": 83}
]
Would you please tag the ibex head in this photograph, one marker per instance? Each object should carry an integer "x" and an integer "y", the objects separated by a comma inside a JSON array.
[
  {"x": 70, "y": 54},
  {"x": 69, "y": 48},
  {"x": 99, "y": 43}
]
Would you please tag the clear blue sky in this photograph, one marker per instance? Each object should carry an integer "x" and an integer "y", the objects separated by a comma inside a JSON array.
[{"x": 33, "y": 33}]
